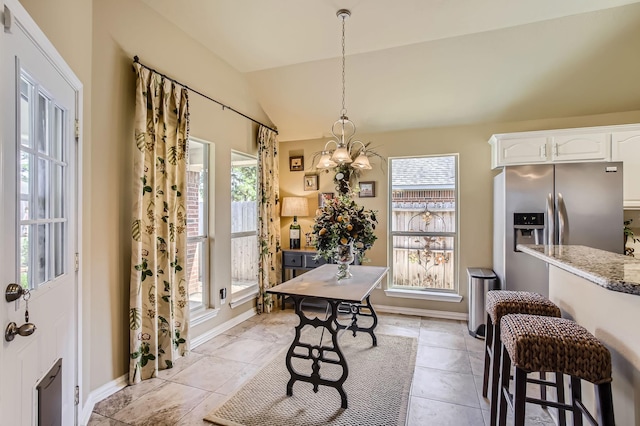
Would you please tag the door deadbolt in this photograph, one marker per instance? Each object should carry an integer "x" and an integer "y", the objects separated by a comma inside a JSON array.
[
  {"x": 26, "y": 329},
  {"x": 13, "y": 292}
]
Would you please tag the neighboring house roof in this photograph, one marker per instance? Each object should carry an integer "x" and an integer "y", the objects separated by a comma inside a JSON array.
[{"x": 423, "y": 173}]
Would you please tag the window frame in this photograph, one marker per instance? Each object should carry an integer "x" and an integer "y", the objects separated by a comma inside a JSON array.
[
  {"x": 203, "y": 238},
  {"x": 447, "y": 295},
  {"x": 239, "y": 297}
]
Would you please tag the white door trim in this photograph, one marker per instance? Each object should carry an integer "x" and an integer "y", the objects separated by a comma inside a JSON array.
[{"x": 20, "y": 17}]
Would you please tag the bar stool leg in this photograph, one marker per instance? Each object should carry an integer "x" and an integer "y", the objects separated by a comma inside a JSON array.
[
  {"x": 488, "y": 355},
  {"x": 497, "y": 351},
  {"x": 576, "y": 395},
  {"x": 520, "y": 396},
  {"x": 503, "y": 387},
  {"x": 562, "y": 415},
  {"x": 605, "y": 404},
  {"x": 543, "y": 388}
]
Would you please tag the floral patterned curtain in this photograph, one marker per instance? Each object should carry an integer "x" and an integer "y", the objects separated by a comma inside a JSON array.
[
  {"x": 269, "y": 223},
  {"x": 158, "y": 295}
]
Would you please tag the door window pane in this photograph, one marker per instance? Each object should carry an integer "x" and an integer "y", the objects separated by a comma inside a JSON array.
[
  {"x": 26, "y": 119},
  {"x": 43, "y": 123},
  {"x": 25, "y": 256},
  {"x": 57, "y": 138},
  {"x": 42, "y": 188},
  {"x": 41, "y": 254},
  {"x": 57, "y": 188},
  {"x": 58, "y": 248}
]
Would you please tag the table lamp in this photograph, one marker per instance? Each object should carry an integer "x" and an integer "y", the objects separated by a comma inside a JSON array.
[{"x": 294, "y": 206}]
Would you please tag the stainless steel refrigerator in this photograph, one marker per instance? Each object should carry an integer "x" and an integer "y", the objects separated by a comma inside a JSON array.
[{"x": 559, "y": 204}]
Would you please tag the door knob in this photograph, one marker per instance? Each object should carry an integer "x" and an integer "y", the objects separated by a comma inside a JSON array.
[
  {"x": 13, "y": 292},
  {"x": 26, "y": 329}
]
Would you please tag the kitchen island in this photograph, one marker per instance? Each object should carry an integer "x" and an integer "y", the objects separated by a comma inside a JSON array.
[{"x": 601, "y": 291}]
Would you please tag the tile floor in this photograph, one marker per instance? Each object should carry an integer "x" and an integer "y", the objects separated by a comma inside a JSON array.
[{"x": 446, "y": 387}]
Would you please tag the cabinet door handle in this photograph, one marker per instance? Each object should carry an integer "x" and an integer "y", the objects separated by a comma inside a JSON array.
[
  {"x": 543, "y": 151},
  {"x": 555, "y": 149}
]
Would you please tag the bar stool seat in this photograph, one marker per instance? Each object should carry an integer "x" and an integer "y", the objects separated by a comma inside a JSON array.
[
  {"x": 498, "y": 304},
  {"x": 536, "y": 343}
]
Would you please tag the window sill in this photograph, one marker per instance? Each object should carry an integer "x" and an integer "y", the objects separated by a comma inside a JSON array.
[
  {"x": 243, "y": 296},
  {"x": 424, "y": 295},
  {"x": 201, "y": 315}
]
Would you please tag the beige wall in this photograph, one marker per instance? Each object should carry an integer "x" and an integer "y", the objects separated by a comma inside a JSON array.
[
  {"x": 475, "y": 186},
  {"x": 99, "y": 40}
]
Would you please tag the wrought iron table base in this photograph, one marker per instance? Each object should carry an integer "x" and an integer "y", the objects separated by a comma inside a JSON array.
[
  {"x": 355, "y": 309},
  {"x": 316, "y": 353}
]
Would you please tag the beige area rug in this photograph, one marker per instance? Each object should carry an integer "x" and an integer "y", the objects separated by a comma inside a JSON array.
[{"x": 377, "y": 389}]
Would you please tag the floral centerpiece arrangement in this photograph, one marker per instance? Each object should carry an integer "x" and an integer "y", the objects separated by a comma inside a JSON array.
[{"x": 341, "y": 222}]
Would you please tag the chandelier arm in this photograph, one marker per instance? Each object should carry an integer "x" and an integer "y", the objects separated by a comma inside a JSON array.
[
  {"x": 327, "y": 144},
  {"x": 364, "y": 148}
]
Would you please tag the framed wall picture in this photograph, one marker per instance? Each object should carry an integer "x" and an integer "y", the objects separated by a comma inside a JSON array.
[
  {"x": 367, "y": 189},
  {"x": 323, "y": 197},
  {"x": 296, "y": 164},
  {"x": 311, "y": 182}
]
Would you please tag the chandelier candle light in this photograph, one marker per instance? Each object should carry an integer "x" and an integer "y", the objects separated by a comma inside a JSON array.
[
  {"x": 294, "y": 206},
  {"x": 343, "y": 130}
]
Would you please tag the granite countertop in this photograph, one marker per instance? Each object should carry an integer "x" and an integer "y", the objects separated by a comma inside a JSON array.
[{"x": 609, "y": 270}]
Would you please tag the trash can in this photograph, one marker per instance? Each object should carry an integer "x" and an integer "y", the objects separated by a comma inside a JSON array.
[{"x": 481, "y": 280}]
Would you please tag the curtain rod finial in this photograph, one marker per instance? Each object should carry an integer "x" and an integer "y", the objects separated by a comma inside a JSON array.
[{"x": 136, "y": 59}]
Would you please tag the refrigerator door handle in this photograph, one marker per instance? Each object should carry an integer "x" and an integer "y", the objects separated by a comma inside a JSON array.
[
  {"x": 550, "y": 221},
  {"x": 563, "y": 225}
]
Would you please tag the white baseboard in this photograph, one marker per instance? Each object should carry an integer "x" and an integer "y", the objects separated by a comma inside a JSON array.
[
  {"x": 421, "y": 312},
  {"x": 101, "y": 393},
  {"x": 205, "y": 337}
]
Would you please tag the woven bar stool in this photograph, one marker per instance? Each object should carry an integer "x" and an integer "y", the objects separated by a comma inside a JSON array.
[
  {"x": 533, "y": 344},
  {"x": 500, "y": 303}
]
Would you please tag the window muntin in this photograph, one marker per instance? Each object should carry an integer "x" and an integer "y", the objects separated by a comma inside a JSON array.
[
  {"x": 197, "y": 224},
  {"x": 244, "y": 223},
  {"x": 423, "y": 221}
]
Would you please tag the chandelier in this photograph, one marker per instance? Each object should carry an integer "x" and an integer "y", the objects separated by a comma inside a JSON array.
[{"x": 343, "y": 130}]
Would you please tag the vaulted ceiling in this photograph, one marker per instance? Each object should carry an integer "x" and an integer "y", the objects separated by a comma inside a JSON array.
[{"x": 423, "y": 63}]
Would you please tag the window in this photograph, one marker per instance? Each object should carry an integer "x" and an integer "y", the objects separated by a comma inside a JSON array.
[
  {"x": 423, "y": 221},
  {"x": 197, "y": 224},
  {"x": 244, "y": 226},
  {"x": 43, "y": 170}
]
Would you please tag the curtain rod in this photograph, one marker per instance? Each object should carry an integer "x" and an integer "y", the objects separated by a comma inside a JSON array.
[{"x": 137, "y": 60}]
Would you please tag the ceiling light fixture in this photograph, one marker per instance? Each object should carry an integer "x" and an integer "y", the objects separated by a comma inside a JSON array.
[{"x": 343, "y": 130}]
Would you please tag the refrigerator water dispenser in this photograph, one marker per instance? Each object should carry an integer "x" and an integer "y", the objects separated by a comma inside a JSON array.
[{"x": 528, "y": 228}]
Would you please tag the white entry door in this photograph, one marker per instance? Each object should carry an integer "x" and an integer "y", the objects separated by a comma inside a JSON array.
[{"x": 38, "y": 112}]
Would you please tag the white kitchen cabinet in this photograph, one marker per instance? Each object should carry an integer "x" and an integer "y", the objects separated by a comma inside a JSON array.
[
  {"x": 530, "y": 150},
  {"x": 580, "y": 147},
  {"x": 585, "y": 144},
  {"x": 549, "y": 147},
  {"x": 625, "y": 147}
]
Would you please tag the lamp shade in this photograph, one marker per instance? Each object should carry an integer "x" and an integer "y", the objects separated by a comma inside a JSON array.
[
  {"x": 361, "y": 162},
  {"x": 325, "y": 161},
  {"x": 294, "y": 206},
  {"x": 341, "y": 155}
]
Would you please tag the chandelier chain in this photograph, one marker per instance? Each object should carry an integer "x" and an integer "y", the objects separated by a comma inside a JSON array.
[{"x": 344, "y": 109}]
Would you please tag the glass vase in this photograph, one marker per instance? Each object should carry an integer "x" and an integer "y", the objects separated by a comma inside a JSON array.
[{"x": 344, "y": 257}]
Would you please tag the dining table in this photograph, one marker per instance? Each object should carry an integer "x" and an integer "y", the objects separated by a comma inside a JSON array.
[{"x": 347, "y": 301}]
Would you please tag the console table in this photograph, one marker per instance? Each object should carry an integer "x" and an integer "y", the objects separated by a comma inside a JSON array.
[
  {"x": 321, "y": 283},
  {"x": 299, "y": 259}
]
